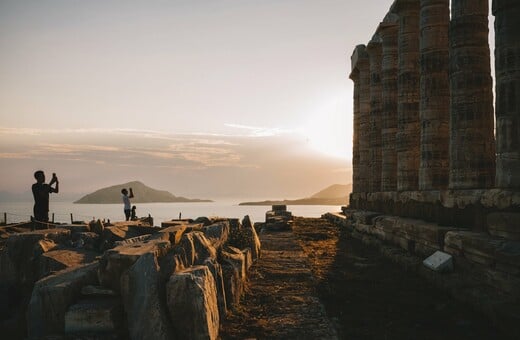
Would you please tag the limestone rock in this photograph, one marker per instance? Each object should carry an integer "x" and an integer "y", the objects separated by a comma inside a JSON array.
[
  {"x": 97, "y": 226},
  {"x": 115, "y": 261},
  {"x": 217, "y": 233},
  {"x": 52, "y": 296},
  {"x": 192, "y": 302},
  {"x": 56, "y": 260},
  {"x": 216, "y": 271},
  {"x": 174, "y": 233},
  {"x": 142, "y": 291},
  {"x": 252, "y": 238},
  {"x": 94, "y": 316}
]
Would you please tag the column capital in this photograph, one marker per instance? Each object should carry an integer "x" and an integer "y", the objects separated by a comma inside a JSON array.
[{"x": 359, "y": 59}]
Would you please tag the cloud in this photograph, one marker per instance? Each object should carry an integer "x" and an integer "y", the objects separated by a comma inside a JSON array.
[{"x": 256, "y": 131}]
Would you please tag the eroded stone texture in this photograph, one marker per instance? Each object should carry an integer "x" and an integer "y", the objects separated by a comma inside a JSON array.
[
  {"x": 472, "y": 147},
  {"x": 52, "y": 296},
  {"x": 388, "y": 32},
  {"x": 435, "y": 94},
  {"x": 361, "y": 65},
  {"x": 374, "y": 120},
  {"x": 143, "y": 296},
  {"x": 408, "y": 134},
  {"x": 192, "y": 302},
  {"x": 354, "y": 76},
  {"x": 507, "y": 68}
]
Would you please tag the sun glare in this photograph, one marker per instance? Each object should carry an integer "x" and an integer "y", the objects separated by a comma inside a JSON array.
[{"x": 329, "y": 129}]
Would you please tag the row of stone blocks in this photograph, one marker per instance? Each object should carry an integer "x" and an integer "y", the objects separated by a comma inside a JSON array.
[
  {"x": 172, "y": 282},
  {"x": 491, "y": 260},
  {"x": 486, "y": 269},
  {"x": 496, "y": 211}
]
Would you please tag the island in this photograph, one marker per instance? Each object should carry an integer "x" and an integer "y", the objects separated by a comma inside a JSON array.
[
  {"x": 142, "y": 194},
  {"x": 336, "y": 194}
]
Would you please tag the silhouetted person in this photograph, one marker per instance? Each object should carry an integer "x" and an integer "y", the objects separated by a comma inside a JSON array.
[
  {"x": 41, "y": 192},
  {"x": 133, "y": 216},
  {"x": 126, "y": 201}
]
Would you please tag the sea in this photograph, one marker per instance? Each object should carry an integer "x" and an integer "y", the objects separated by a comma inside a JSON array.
[{"x": 65, "y": 212}]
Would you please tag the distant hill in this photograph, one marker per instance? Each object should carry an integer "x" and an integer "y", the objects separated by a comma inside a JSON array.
[
  {"x": 336, "y": 194},
  {"x": 142, "y": 194}
]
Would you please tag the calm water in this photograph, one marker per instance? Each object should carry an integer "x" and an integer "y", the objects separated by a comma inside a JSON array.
[{"x": 18, "y": 212}]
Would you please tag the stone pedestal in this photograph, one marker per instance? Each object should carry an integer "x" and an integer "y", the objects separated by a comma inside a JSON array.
[
  {"x": 408, "y": 134},
  {"x": 435, "y": 95},
  {"x": 472, "y": 147},
  {"x": 507, "y": 67}
]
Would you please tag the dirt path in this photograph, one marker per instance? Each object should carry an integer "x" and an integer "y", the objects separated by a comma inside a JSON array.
[{"x": 365, "y": 295}]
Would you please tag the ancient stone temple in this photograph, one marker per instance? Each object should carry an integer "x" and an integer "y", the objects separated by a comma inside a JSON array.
[{"x": 436, "y": 163}]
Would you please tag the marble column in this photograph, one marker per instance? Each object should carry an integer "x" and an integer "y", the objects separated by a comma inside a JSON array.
[
  {"x": 408, "y": 134},
  {"x": 507, "y": 68},
  {"x": 434, "y": 94},
  {"x": 361, "y": 71},
  {"x": 472, "y": 146},
  {"x": 374, "y": 122},
  {"x": 388, "y": 30},
  {"x": 354, "y": 76}
]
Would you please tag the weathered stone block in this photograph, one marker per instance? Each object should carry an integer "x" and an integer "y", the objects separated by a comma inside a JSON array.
[
  {"x": 192, "y": 302},
  {"x": 233, "y": 284},
  {"x": 251, "y": 237},
  {"x": 439, "y": 262},
  {"x": 174, "y": 233},
  {"x": 56, "y": 260},
  {"x": 216, "y": 271},
  {"x": 217, "y": 234},
  {"x": 52, "y": 296},
  {"x": 142, "y": 291},
  {"x": 115, "y": 261},
  {"x": 95, "y": 315},
  {"x": 504, "y": 224}
]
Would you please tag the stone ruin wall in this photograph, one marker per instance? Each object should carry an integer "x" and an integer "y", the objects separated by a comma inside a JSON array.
[
  {"x": 435, "y": 166},
  {"x": 425, "y": 144},
  {"x": 124, "y": 280}
]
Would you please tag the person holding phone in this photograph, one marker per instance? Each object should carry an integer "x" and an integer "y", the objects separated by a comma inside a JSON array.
[{"x": 41, "y": 192}]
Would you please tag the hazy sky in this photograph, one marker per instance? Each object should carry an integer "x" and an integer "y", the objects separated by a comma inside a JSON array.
[{"x": 200, "y": 97}]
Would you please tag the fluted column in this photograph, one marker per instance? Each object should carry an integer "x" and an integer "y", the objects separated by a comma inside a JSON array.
[
  {"x": 408, "y": 134},
  {"x": 360, "y": 67},
  {"x": 472, "y": 147},
  {"x": 507, "y": 68},
  {"x": 374, "y": 121},
  {"x": 434, "y": 94},
  {"x": 388, "y": 32},
  {"x": 354, "y": 76}
]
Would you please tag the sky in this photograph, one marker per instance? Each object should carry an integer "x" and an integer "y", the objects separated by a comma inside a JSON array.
[{"x": 203, "y": 98}]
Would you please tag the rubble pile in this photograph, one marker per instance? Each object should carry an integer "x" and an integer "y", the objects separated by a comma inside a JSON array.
[{"x": 126, "y": 279}]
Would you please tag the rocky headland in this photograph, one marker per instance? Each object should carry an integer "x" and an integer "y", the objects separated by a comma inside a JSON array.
[{"x": 143, "y": 194}]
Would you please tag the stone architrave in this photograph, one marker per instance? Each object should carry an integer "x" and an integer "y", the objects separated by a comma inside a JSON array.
[
  {"x": 354, "y": 76},
  {"x": 388, "y": 30},
  {"x": 507, "y": 68},
  {"x": 374, "y": 121},
  {"x": 472, "y": 145},
  {"x": 435, "y": 94},
  {"x": 360, "y": 65},
  {"x": 408, "y": 122}
]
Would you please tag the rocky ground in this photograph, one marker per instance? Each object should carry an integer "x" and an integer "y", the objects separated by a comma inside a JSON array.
[{"x": 318, "y": 270}]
